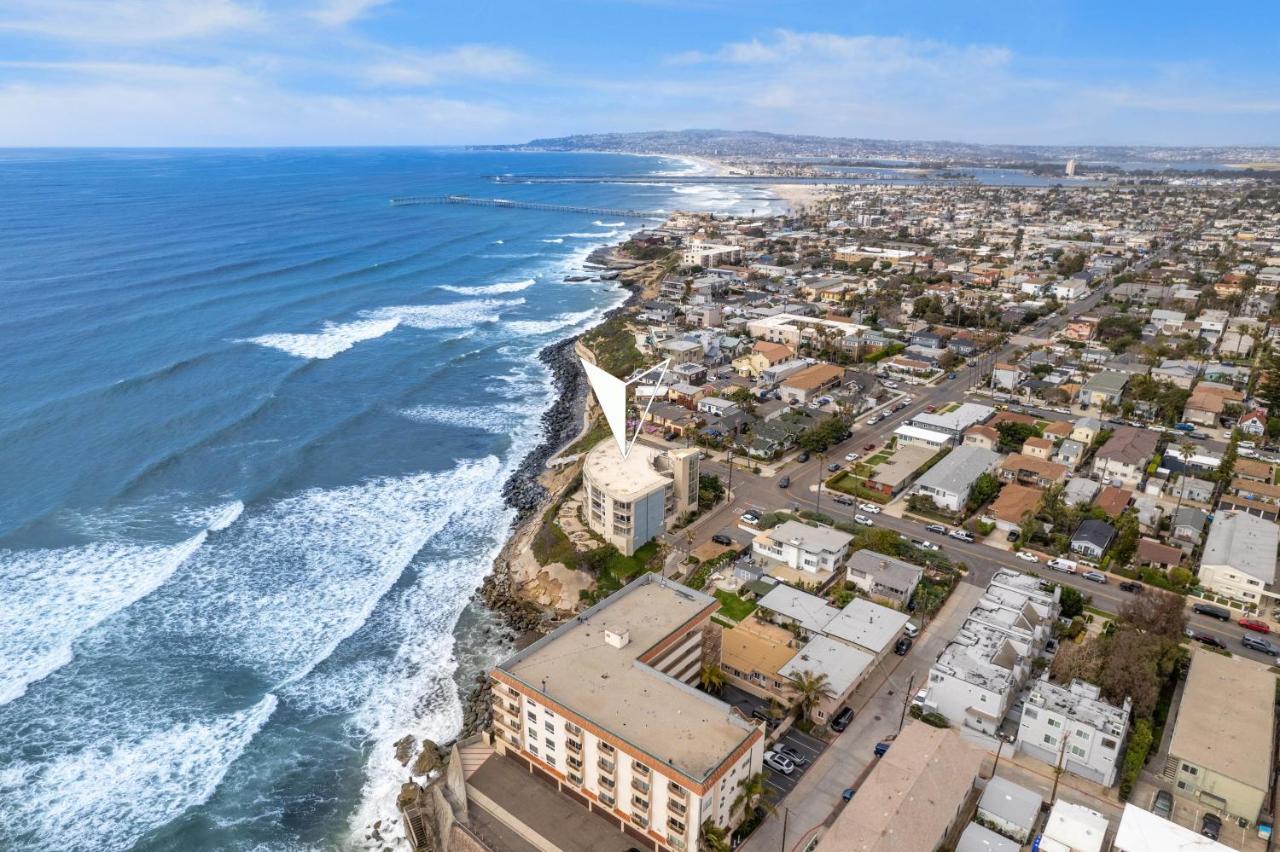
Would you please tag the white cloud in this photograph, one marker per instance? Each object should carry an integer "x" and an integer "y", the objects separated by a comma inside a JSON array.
[
  {"x": 468, "y": 61},
  {"x": 339, "y": 13},
  {"x": 127, "y": 21}
]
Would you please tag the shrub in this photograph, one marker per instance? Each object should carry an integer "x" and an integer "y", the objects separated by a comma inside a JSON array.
[
  {"x": 1135, "y": 756},
  {"x": 936, "y": 720}
]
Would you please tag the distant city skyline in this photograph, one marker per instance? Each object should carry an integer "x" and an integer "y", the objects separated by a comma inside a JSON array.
[{"x": 390, "y": 72}]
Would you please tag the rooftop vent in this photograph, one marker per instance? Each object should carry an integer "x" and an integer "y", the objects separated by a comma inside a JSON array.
[{"x": 618, "y": 638}]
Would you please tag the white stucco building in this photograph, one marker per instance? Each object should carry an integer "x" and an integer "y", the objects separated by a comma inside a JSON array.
[{"x": 1074, "y": 726}]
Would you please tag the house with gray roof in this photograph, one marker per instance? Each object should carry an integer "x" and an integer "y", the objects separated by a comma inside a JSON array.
[
  {"x": 1239, "y": 559},
  {"x": 1092, "y": 538},
  {"x": 882, "y": 577},
  {"x": 949, "y": 481}
]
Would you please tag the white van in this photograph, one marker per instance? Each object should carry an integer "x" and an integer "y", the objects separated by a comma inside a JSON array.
[
  {"x": 910, "y": 629},
  {"x": 1066, "y": 566}
]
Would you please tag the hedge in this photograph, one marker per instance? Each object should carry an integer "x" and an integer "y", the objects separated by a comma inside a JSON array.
[{"x": 1135, "y": 756}]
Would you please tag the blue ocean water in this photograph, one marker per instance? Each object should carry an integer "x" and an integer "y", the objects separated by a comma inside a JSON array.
[{"x": 253, "y": 427}]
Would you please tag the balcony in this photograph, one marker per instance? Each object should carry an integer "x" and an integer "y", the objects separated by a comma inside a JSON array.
[
  {"x": 677, "y": 791},
  {"x": 573, "y": 729},
  {"x": 574, "y": 763},
  {"x": 606, "y": 799},
  {"x": 640, "y": 786},
  {"x": 605, "y": 765},
  {"x": 606, "y": 782},
  {"x": 677, "y": 808},
  {"x": 677, "y": 826},
  {"x": 640, "y": 803},
  {"x": 676, "y": 842},
  {"x": 640, "y": 820},
  {"x": 641, "y": 769},
  {"x": 575, "y": 779},
  {"x": 573, "y": 745}
]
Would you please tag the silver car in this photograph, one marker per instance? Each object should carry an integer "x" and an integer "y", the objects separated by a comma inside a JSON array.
[{"x": 778, "y": 763}]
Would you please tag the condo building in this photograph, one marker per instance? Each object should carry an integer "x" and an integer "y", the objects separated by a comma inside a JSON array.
[
  {"x": 604, "y": 708},
  {"x": 631, "y": 500}
]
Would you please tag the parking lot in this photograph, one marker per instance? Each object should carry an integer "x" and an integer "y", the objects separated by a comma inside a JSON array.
[
  {"x": 807, "y": 746},
  {"x": 1189, "y": 813}
]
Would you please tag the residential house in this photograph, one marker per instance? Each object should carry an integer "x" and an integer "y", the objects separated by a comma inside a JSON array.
[
  {"x": 1007, "y": 376},
  {"x": 1188, "y": 527},
  {"x": 1073, "y": 727},
  {"x": 1073, "y": 828},
  {"x": 1179, "y": 373},
  {"x": 1080, "y": 329},
  {"x": 1224, "y": 735},
  {"x": 1092, "y": 538},
  {"x": 1030, "y": 470},
  {"x": 1080, "y": 491},
  {"x": 628, "y": 718},
  {"x": 1105, "y": 387},
  {"x": 1012, "y": 506},
  {"x": 1086, "y": 429},
  {"x": 954, "y": 421},
  {"x": 883, "y": 578},
  {"x": 1208, "y": 401},
  {"x": 949, "y": 482},
  {"x": 811, "y": 382},
  {"x": 812, "y": 552},
  {"x": 1239, "y": 558},
  {"x": 982, "y": 436},
  {"x": 1011, "y": 808},
  {"x": 1125, "y": 455},
  {"x": 763, "y": 355},
  {"x": 1142, "y": 831},
  {"x": 1070, "y": 453},
  {"x": 1255, "y": 498},
  {"x": 1253, "y": 423},
  {"x": 916, "y": 436},
  {"x": 1156, "y": 555},
  {"x": 1040, "y": 448}
]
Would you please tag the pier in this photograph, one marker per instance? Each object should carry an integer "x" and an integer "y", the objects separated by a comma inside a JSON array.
[{"x": 409, "y": 200}]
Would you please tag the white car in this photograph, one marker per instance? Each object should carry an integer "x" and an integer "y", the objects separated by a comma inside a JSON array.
[
  {"x": 851, "y": 457},
  {"x": 925, "y": 545},
  {"x": 869, "y": 508},
  {"x": 778, "y": 762},
  {"x": 873, "y": 419},
  {"x": 864, "y": 520},
  {"x": 1027, "y": 557},
  {"x": 889, "y": 384}
]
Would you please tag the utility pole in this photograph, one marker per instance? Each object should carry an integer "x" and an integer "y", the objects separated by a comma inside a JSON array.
[
  {"x": 1057, "y": 770},
  {"x": 822, "y": 465},
  {"x": 786, "y": 812},
  {"x": 729, "y": 488},
  {"x": 906, "y": 700}
]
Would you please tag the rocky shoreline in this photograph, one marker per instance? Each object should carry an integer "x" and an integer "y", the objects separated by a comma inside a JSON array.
[{"x": 524, "y": 492}]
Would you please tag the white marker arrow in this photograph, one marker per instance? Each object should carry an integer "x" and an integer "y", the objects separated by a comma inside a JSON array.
[{"x": 611, "y": 395}]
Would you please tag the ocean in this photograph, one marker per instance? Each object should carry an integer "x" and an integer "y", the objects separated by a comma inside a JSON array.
[{"x": 254, "y": 424}]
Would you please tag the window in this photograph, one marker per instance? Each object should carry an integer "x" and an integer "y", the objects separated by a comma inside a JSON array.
[
  {"x": 1053, "y": 723},
  {"x": 1108, "y": 743},
  {"x": 605, "y": 748},
  {"x": 606, "y": 799},
  {"x": 675, "y": 825},
  {"x": 1182, "y": 785},
  {"x": 1078, "y": 752},
  {"x": 573, "y": 729},
  {"x": 533, "y": 717},
  {"x": 1030, "y": 713},
  {"x": 640, "y": 768},
  {"x": 1084, "y": 735},
  {"x": 1050, "y": 739},
  {"x": 606, "y": 782},
  {"x": 533, "y": 734},
  {"x": 551, "y": 760},
  {"x": 1189, "y": 769},
  {"x": 550, "y": 728},
  {"x": 533, "y": 749}
]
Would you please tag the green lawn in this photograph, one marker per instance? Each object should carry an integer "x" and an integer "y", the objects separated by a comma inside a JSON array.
[
  {"x": 734, "y": 607},
  {"x": 620, "y": 570},
  {"x": 550, "y": 544}
]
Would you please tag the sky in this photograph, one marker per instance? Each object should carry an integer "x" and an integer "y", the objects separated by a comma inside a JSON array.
[{"x": 426, "y": 72}]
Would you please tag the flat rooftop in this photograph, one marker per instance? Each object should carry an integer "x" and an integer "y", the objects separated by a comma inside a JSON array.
[
  {"x": 843, "y": 664},
  {"x": 671, "y": 722},
  {"x": 867, "y": 625},
  {"x": 625, "y": 478},
  {"x": 1225, "y": 718}
]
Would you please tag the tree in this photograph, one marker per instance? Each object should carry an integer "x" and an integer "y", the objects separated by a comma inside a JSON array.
[
  {"x": 1131, "y": 669},
  {"x": 1013, "y": 435},
  {"x": 712, "y": 838},
  {"x": 711, "y": 677},
  {"x": 985, "y": 488},
  {"x": 1072, "y": 601},
  {"x": 751, "y": 794},
  {"x": 710, "y": 490},
  {"x": 810, "y": 690}
]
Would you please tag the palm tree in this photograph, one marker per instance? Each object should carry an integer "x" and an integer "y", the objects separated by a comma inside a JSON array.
[
  {"x": 751, "y": 794},
  {"x": 712, "y": 678},
  {"x": 810, "y": 690},
  {"x": 712, "y": 838}
]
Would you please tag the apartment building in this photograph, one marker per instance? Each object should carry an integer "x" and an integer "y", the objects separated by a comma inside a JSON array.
[
  {"x": 631, "y": 500},
  {"x": 1239, "y": 559},
  {"x": 982, "y": 669},
  {"x": 1073, "y": 727},
  {"x": 604, "y": 708},
  {"x": 814, "y": 551},
  {"x": 1223, "y": 735},
  {"x": 708, "y": 255}
]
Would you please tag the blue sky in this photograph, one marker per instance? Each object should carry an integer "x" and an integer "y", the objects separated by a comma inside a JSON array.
[{"x": 368, "y": 72}]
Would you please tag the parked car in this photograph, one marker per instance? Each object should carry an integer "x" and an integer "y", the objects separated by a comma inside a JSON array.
[
  {"x": 881, "y": 748},
  {"x": 842, "y": 719},
  {"x": 961, "y": 535},
  {"x": 1210, "y": 826},
  {"x": 1095, "y": 577},
  {"x": 843, "y": 500},
  {"x": 869, "y": 508},
  {"x": 1207, "y": 639},
  {"x": 784, "y": 482},
  {"x": 792, "y": 754},
  {"x": 930, "y": 409},
  {"x": 874, "y": 419},
  {"x": 1131, "y": 587},
  {"x": 833, "y": 467},
  {"x": 848, "y": 793},
  {"x": 889, "y": 383},
  {"x": 1012, "y": 536},
  {"x": 1027, "y": 556},
  {"x": 778, "y": 763},
  {"x": 1185, "y": 427},
  {"x": 866, "y": 448},
  {"x": 903, "y": 646},
  {"x": 911, "y": 629},
  {"x": 920, "y": 697},
  {"x": 864, "y": 520},
  {"x": 937, "y": 528},
  {"x": 1162, "y": 806},
  {"x": 1220, "y": 613},
  {"x": 671, "y": 436},
  {"x": 851, "y": 457},
  {"x": 1257, "y": 643},
  {"x": 721, "y": 538},
  {"x": 750, "y": 517},
  {"x": 1255, "y": 625},
  {"x": 925, "y": 545},
  {"x": 803, "y": 457},
  {"x": 1066, "y": 566}
]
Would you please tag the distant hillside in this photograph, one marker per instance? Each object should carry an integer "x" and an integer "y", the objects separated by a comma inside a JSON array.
[{"x": 758, "y": 144}]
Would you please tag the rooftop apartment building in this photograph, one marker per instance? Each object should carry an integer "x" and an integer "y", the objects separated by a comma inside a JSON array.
[
  {"x": 1073, "y": 727},
  {"x": 953, "y": 422},
  {"x": 981, "y": 670},
  {"x": 631, "y": 500},
  {"x": 1239, "y": 558},
  {"x": 603, "y": 706},
  {"x": 1220, "y": 753}
]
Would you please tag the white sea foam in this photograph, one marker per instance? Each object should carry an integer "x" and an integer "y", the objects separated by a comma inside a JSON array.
[
  {"x": 485, "y": 418},
  {"x": 554, "y": 240},
  {"x": 64, "y": 593},
  {"x": 498, "y": 242},
  {"x": 587, "y": 235},
  {"x": 490, "y": 289},
  {"x": 121, "y": 786},
  {"x": 226, "y": 516},
  {"x": 600, "y": 224},
  {"x": 556, "y": 323},
  {"x": 336, "y": 338}
]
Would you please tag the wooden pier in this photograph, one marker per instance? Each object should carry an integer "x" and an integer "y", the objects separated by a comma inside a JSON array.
[{"x": 408, "y": 200}]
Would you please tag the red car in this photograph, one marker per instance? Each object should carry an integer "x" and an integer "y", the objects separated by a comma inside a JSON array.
[
  {"x": 1254, "y": 624},
  {"x": 930, "y": 408},
  {"x": 868, "y": 448}
]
